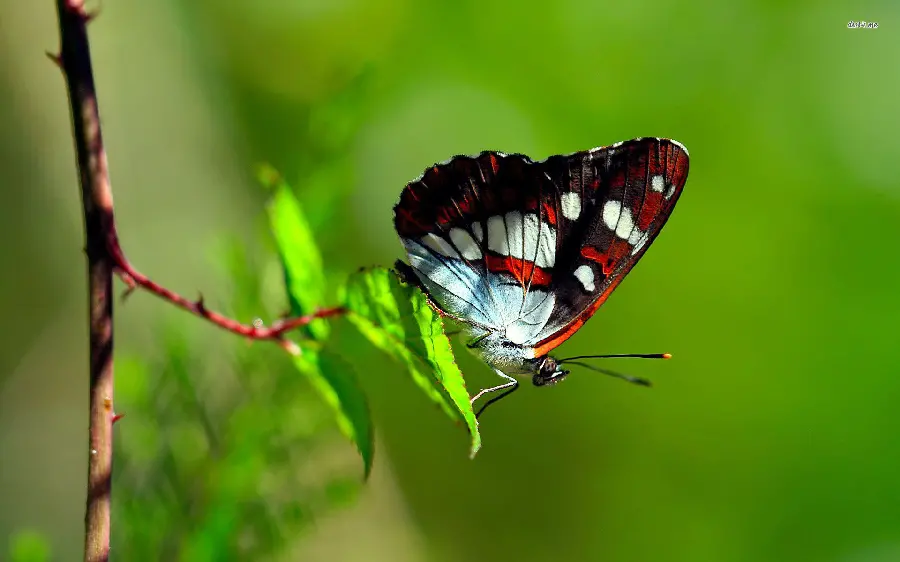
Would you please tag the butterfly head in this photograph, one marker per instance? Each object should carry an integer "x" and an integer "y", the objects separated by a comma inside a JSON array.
[{"x": 547, "y": 371}]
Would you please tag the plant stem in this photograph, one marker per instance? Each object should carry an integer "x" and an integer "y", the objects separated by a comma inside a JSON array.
[
  {"x": 96, "y": 196},
  {"x": 106, "y": 259}
]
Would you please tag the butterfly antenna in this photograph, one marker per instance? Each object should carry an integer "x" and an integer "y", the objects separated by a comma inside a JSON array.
[
  {"x": 629, "y": 378},
  {"x": 635, "y": 355}
]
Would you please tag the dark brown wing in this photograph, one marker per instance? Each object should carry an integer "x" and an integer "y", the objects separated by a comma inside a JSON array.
[
  {"x": 624, "y": 194},
  {"x": 562, "y": 232}
]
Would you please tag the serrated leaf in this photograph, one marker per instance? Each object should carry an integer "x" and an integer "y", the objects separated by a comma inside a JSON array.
[
  {"x": 398, "y": 319},
  {"x": 336, "y": 382},
  {"x": 300, "y": 257}
]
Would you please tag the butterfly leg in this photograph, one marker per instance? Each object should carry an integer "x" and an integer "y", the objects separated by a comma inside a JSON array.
[{"x": 511, "y": 384}]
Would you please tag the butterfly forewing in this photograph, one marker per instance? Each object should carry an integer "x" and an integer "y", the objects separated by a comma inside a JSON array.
[
  {"x": 614, "y": 202},
  {"x": 532, "y": 249}
]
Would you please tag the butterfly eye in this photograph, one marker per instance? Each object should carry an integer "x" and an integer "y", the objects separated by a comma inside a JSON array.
[{"x": 547, "y": 379}]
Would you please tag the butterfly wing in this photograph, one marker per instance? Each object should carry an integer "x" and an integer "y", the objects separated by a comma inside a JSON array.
[
  {"x": 478, "y": 234},
  {"x": 613, "y": 203},
  {"x": 532, "y": 249}
]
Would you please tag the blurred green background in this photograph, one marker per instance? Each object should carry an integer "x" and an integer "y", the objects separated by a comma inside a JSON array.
[{"x": 773, "y": 434}]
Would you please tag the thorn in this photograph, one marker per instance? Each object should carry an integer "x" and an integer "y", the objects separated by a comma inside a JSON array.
[
  {"x": 55, "y": 58},
  {"x": 117, "y": 417},
  {"x": 130, "y": 285},
  {"x": 127, "y": 292},
  {"x": 89, "y": 16},
  {"x": 201, "y": 306}
]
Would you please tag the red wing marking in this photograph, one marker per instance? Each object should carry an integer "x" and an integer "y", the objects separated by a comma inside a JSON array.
[
  {"x": 549, "y": 213},
  {"x": 523, "y": 271},
  {"x": 606, "y": 260},
  {"x": 652, "y": 203},
  {"x": 408, "y": 222},
  {"x": 495, "y": 165},
  {"x": 591, "y": 253},
  {"x": 677, "y": 167}
]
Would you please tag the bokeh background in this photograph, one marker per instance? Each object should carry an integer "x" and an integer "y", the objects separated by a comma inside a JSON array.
[{"x": 773, "y": 434}]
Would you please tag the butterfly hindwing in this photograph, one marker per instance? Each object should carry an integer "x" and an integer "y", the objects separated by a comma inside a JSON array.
[{"x": 472, "y": 230}]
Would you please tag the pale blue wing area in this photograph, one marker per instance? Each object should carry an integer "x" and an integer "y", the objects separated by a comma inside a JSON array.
[{"x": 478, "y": 297}]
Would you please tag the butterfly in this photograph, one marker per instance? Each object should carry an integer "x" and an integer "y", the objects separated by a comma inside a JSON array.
[{"x": 523, "y": 253}]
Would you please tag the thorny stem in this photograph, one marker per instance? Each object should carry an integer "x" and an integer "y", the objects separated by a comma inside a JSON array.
[
  {"x": 96, "y": 196},
  {"x": 256, "y": 331},
  {"x": 105, "y": 258}
]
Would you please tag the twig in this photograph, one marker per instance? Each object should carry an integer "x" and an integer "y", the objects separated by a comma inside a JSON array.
[
  {"x": 256, "y": 331},
  {"x": 106, "y": 258}
]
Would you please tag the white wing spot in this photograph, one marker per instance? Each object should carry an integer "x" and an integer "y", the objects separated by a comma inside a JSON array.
[
  {"x": 466, "y": 244},
  {"x": 585, "y": 276},
  {"x": 625, "y": 226},
  {"x": 476, "y": 229},
  {"x": 611, "y": 212},
  {"x": 618, "y": 219},
  {"x": 532, "y": 228},
  {"x": 546, "y": 251},
  {"x": 496, "y": 235},
  {"x": 640, "y": 238},
  {"x": 439, "y": 245},
  {"x": 515, "y": 233},
  {"x": 540, "y": 241},
  {"x": 657, "y": 184},
  {"x": 571, "y": 205},
  {"x": 636, "y": 235}
]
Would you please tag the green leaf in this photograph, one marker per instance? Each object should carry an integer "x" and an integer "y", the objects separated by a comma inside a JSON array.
[
  {"x": 336, "y": 382},
  {"x": 300, "y": 257},
  {"x": 398, "y": 319}
]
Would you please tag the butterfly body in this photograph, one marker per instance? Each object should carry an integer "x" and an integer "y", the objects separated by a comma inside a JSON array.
[{"x": 522, "y": 253}]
